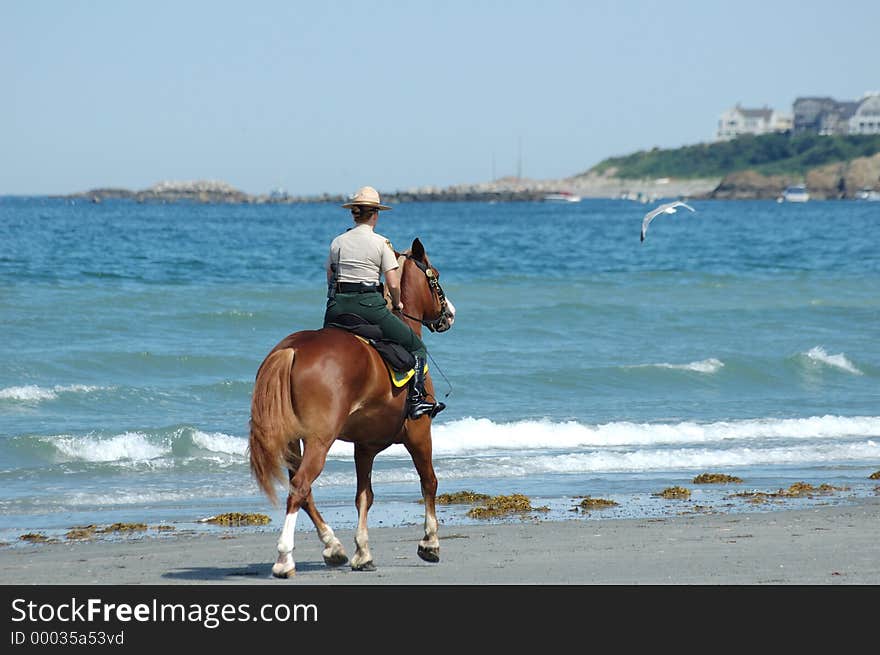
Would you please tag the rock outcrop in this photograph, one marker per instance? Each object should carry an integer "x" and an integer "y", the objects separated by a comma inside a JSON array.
[
  {"x": 201, "y": 191},
  {"x": 839, "y": 180}
]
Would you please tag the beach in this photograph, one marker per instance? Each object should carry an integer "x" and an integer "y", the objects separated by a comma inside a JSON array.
[{"x": 825, "y": 545}]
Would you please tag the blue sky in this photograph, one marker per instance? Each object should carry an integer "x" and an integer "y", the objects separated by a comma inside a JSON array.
[{"x": 328, "y": 96}]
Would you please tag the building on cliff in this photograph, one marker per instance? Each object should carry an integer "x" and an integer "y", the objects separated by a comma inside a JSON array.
[
  {"x": 821, "y": 115},
  {"x": 866, "y": 119},
  {"x": 738, "y": 120},
  {"x": 828, "y": 116}
]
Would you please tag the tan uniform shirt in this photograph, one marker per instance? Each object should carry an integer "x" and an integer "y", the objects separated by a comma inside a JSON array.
[{"x": 361, "y": 255}]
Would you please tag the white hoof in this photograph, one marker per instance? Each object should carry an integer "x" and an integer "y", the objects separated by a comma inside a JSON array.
[
  {"x": 334, "y": 555},
  {"x": 280, "y": 570},
  {"x": 284, "y": 566}
]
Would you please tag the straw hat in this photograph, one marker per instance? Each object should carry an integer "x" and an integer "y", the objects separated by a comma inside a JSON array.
[{"x": 366, "y": 196}]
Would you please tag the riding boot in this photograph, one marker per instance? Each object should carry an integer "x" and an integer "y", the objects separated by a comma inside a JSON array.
[{"x": 418, "y": 403}]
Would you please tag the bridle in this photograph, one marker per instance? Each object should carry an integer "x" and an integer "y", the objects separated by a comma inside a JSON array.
[{"x": 442, "y": 322}]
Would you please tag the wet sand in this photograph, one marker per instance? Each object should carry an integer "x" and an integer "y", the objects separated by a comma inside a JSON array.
[{"x": 828, "y": 545}]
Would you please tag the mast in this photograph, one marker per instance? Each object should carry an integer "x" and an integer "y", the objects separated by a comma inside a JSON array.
[{"x": 519, "y": 159}]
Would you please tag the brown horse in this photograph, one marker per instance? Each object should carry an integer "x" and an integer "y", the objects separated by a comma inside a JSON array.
[{"x": 317, "y": 386}]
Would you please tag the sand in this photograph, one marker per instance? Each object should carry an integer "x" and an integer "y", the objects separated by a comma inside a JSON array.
[{"x": 827, "y": 545}]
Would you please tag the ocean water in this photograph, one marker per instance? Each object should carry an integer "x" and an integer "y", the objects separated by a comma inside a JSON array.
[{"x": 741, "y": 339}]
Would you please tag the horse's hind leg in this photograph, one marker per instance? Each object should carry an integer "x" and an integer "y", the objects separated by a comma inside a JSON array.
[
  {"x": 363, "y": 462},
  {"x": 419, "y": 446},
  {"x": 307, "y": 468},
  {"x": 334, "y": 553},
  {"x": 284, "y": 566}
]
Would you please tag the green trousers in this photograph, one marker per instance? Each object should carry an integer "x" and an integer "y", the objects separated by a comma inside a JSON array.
[{"x": 372, "y": 307}]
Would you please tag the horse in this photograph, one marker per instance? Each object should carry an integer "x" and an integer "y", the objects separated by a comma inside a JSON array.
[{"x": 317, "y": 386}]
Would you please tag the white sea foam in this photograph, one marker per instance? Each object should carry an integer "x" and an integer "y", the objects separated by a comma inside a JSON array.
[
  {"x": 710, "y": 365},
  {"x": 28, "y": 392},
  {"x": 483, "y": 440},
  {"x": 473, "y": 436},
  {"x": 129, "y": 446},
  {"x": 640, "y": 460},
  {"x": 139, "y": 447},
  {"x": 840, "y": 361},
  {"x": 122, "y": 497},
  {"x": 34, "y": 393},
  {"x": 219, "y": 442},
  {"x": 146, "y": 496}
]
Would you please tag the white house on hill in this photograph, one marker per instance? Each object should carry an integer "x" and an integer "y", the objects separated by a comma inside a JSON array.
[
  {"x": 866, "y": 119},
  {"x": 739, "y": 120}
]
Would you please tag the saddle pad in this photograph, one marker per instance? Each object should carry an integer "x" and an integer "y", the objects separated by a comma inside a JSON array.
[{"x": 398, "y": 378}]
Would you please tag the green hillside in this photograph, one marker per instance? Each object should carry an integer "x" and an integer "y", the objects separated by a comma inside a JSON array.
[{"x": 771, "y": 154}]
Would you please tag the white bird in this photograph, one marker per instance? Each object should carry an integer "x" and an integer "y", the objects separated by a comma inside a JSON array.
[{"x": 668, "y": 208}]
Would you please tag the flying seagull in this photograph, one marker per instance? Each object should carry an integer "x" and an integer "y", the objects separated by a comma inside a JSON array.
[{"x": 668, "y": 208}]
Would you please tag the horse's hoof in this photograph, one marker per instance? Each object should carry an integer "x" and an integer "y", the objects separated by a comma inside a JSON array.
[
  {"x": 431, "y": 554},
  {"x": 279, "y": 572},
  {"x": 337, "y": 559},
  {"x": 366, "y": 566}
]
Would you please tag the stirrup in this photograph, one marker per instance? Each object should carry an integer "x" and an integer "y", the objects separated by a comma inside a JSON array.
[{"x": 423, "y": 407}]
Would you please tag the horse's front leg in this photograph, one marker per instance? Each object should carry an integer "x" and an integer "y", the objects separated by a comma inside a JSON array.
[
  {"x": 363, "y": 500},
  {"x": 418, "y": 443}
]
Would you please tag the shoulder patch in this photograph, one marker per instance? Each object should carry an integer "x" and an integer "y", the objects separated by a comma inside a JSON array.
[{"x": 389, "y": 244}]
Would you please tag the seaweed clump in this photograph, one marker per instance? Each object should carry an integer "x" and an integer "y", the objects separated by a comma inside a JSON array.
[
  {"x": 461, "y": 498},
  {"x": 81, "y": 533},
  {"x": 796, "y": 490},
  {"x": 680, "y": 493},
  {"x": 238, "y": 519},
  {"x": 503, "y": 505},
  {"x": 589, "y": 503},
  {"x": 86, "y": 532},
  {"x": 715, "y": 478},
  {"x": 801, "y": 489},
  {"x": 124, "y": 527},
  {"x": 35, "y": 538}
]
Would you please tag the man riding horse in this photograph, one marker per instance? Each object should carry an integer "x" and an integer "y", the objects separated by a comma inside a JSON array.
[
  {"x": 357, "y": 259},
  {"x": 319, "y": 386}
]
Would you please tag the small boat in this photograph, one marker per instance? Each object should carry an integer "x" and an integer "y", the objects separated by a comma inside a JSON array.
[
  {"x": 794, "y": 193},
  {"x": 562, "y": 196},
  {"x": 868, "y": 194}
]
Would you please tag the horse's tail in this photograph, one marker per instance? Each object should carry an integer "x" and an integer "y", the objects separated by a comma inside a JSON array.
[{"x": 273, "y": 423}]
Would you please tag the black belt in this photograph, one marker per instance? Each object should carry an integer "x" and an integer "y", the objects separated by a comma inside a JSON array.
[{"x": 358, "y": 287}]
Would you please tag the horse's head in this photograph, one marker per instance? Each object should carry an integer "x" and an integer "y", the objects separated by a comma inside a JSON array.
[{"x": 423, "y": 297}]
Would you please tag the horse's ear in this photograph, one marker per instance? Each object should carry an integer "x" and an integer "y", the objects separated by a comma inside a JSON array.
[{"x": 418, "y": 250}]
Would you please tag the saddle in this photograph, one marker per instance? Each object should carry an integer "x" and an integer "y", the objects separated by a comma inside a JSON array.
[{"x": 399, "y": 360}]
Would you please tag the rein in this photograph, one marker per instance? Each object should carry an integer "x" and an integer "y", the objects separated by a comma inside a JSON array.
[{"x": 441, "y": 323}]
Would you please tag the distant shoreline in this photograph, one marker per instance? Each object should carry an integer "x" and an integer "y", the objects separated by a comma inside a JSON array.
[
  {"x": 505, "y": 190},
  {"x": 738, "y": 186}
]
